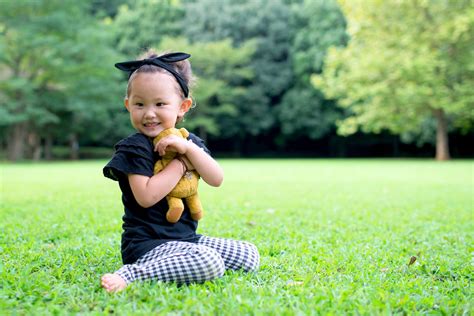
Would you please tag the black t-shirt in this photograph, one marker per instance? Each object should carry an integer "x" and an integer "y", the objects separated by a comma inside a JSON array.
[{"x": 145, "y": 228}]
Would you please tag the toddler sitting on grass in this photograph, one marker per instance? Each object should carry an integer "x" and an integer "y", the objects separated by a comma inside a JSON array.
[{"x": 157, "y": 98}]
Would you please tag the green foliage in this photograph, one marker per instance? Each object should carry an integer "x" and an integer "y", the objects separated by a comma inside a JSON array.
[
  {"x": 405, "y": 60},
  {"x": 291, "y": 41},
  {"x": 267, "y": 24},
  {"x": 142, "y": 24},
  {"x": 55, "y": 81},
  {"x": 303, "y": 110},
  {"x": 29, "y": 61},
  {"x": 106, "y": 8},
  {"x": 319, "y": 25},
  {"x": 329, "y": 244}
]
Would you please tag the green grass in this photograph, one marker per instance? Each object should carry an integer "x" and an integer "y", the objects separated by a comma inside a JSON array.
[{"x": 335, "y": 237}]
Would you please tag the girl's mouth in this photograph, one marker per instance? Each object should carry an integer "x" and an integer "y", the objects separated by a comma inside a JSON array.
[{"x": 154, "y": 124}]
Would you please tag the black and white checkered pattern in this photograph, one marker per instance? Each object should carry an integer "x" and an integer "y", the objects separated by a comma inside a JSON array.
[
  {"x": 235, "y": 253},
  {"x": 184, "y": 262}
]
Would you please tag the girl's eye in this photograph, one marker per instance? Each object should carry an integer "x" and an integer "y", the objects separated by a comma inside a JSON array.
[
  {"x": 139, "y": 104},
  {"x": 160, "y": 104}
]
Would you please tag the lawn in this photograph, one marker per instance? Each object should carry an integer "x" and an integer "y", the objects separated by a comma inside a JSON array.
[{"x": 335, "y": 237}]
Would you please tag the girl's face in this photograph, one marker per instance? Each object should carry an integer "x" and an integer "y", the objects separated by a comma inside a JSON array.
[{"x": 154, "y": 103}]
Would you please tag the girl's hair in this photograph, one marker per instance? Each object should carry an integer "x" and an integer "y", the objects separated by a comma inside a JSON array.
[{"x": 183, "y": 68}]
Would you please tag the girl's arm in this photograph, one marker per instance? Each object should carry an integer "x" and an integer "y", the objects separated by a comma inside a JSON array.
[
  {"x": 205, "y": 165},
  {"x": 149, "y": 190}
]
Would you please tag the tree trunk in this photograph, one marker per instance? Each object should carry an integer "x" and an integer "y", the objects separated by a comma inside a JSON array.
[
  {"x": 16, "y": 142},
  {"x": 73, "y": 147},
  {"x": 442, "y": 146},
  {"x": 48, "y": 145},
  {"x": 34, "y": 140}
]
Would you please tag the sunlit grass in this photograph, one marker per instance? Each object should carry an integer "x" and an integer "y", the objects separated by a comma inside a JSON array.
[{"x": 335, "y": 236}]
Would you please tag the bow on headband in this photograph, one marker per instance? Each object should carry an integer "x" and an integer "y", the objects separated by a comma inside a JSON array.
[{"x": 162, "y": 62}]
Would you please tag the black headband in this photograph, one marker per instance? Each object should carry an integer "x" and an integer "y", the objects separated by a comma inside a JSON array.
[{"x": 162, "y": 62}]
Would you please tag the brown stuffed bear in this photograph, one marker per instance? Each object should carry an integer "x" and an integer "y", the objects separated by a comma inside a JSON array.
[{"x": 186, "y": 187}]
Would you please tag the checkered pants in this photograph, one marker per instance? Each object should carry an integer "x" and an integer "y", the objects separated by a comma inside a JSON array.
[{"x": 184, "y": 262}]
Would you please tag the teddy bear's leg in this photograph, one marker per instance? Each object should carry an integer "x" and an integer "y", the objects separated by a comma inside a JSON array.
[
  {"x": 195, "y": 207},
  {"x": 175, "y": 209}
]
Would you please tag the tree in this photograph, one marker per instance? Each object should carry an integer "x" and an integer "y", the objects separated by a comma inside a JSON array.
[
  {"x": 52, "y": 83},
  {"x": 304, "y": 111},
  {"x": 267, "y": 24},
  {"x": 407, "y": 62}
]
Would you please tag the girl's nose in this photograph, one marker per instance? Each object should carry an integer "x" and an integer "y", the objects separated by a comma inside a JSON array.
[{"x": 150, "y": 112}]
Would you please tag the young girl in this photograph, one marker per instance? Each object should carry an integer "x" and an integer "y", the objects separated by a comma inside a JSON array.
[{"x": 152, "y": 248}]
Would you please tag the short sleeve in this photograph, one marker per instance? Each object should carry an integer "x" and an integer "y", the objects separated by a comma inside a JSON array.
[
  {"x": 133, "y": 155},
  {"x": 199, "y": 142}
]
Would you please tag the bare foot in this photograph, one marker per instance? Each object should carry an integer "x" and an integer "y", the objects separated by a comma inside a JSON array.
[{"x": 112, "y": 282}]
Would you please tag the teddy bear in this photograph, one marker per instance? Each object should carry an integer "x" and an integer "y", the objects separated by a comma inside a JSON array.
[{"x": 187, "y": 185}]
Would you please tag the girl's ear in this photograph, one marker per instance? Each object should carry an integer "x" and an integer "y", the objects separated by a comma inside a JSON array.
[
  {"x": 125, "y": 102},
  {"x": 185, "y": 106}
]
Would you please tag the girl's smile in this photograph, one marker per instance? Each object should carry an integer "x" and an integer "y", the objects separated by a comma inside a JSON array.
[
  {"x": 149, "y": 129},
  {"x": 151, "y": 125}
]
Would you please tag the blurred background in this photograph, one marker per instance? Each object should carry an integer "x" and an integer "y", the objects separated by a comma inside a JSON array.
[{"x": 277, "y": 78}]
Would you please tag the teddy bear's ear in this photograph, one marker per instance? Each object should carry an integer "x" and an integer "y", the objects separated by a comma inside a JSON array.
[{"x": 184, "y": 132}]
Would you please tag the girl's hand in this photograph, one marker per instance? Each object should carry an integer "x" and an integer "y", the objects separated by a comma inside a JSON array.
[{"x": 172, "y": 143}]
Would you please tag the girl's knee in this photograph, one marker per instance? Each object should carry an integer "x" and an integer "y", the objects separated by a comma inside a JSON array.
[
  {"x": 212, "y": 264},
  {"x": 252, "y": 258}
]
